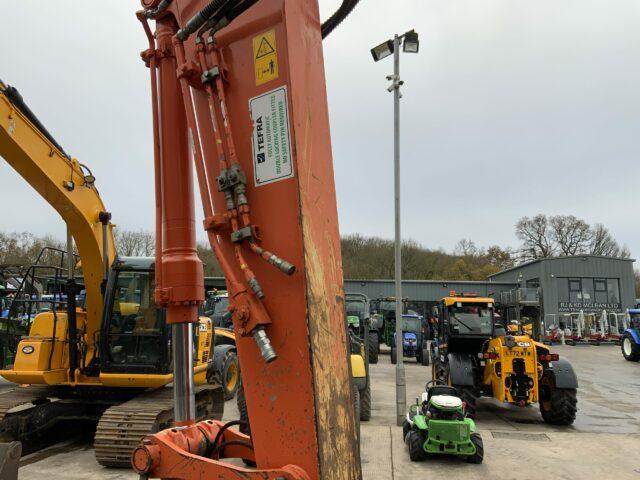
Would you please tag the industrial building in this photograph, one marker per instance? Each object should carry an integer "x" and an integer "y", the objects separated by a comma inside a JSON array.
[
  {"x": 568, "y": 285},
  {"x": 548, "y": 289}
]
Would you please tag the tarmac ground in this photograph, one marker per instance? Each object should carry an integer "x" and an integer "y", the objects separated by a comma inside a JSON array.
[{"x": 603, "y": 443}]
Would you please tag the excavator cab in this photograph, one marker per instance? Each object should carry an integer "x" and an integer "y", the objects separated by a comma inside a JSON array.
[{"x": 135, "y": 337}]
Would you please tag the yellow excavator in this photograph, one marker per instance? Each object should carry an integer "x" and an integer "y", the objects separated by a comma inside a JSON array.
[{"x": 105, "y": 361}]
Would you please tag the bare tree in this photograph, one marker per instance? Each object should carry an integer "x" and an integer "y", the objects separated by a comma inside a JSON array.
[
  {"x": 134, "y": 243},
  {"x": 571, "y": 235},
  {"x": 536, "y": 237},
  {"x": 603, "y": 243},
  {"x": 466, "y": 248},
  {"x": 543, "y": 236}
]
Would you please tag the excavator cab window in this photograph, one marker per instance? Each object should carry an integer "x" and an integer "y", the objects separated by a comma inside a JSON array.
[{"x": 137, "y": 336}]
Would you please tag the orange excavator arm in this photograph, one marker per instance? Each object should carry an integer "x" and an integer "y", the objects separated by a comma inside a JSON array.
[{"x": 239, "y": 99}]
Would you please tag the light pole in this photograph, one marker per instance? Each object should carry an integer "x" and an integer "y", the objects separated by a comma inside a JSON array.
[{"x": 411, "y": 45}]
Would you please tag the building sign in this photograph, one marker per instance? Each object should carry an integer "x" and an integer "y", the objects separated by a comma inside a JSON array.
[{"x": 588, "y": 307}]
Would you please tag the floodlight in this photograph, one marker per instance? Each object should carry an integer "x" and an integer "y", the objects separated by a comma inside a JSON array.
[
  {"x": 411, "y": 43},
  {"x": 383, "y": 50}
]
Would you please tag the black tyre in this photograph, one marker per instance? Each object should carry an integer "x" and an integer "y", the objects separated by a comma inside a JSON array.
[
  {"x": 425, "y": 357},
  {"x": 394, "y": 355},
  {"x": 242, "y": 408},
  {"x": 415, "y": 442},
  {"x": 245, "y": 426},
  {"x": 230, "y": 374},
  {"x": 365, "y": 403},
  {"x": 356, "y": 411},
  {"x": 469, "y": 397},
  {"x": 374, "y": 347},
  {"x": 630, "y": 349},
  {"x": 477, "y": 457},
  {"x": 406, "y": 428},
  {"x": 558, "y": 406}
]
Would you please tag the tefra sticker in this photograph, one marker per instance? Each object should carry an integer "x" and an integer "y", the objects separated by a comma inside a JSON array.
[{"x": 271, "y": 140}]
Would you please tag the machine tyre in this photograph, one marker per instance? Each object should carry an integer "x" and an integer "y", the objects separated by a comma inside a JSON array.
[
  {"x": 394, "y": 355},
  {"x": 245, "y": 427},
  {"x": 426, "y": 357},
  {"x": 477, "y": 457},
  {"x": 630, "y": 349},
  {"x": 231, "y": 378},
  {"x": 406, "y": 428},
  {"x": 558, "y": 406},
  {"x": 356, "y": 410},
  {"x": 415, "y": 442},
  {"x": 374, "y": 347},
  {"x": 365, "y": 403},
  {"x": 468, "y": 395}
]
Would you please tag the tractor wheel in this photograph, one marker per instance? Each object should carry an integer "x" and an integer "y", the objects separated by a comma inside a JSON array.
[
  {"x": 406, "y": 428},
  {"x": 558, "y": 406},
  {"x": 630, "y": 349},
  {"x": 477, "y": 457},
  {"x": 365, "y": 403},
  {"x": 415, "y": 441},
  {"x": 394, "y": 355},
  {"x": 356, "y": 410},
  {"x": 469, "y": 397},
  {"x": 426, "y": 357},
  {"x": 374, "y": 347},
  {"x": 230, "y": 374}
]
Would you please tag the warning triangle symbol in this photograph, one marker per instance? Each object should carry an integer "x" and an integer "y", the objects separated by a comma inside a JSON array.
[{"x": 264, "y": 49}]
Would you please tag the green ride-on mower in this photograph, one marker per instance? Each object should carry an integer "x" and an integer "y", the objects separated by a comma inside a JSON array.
[{"x": 437, "y": 424}]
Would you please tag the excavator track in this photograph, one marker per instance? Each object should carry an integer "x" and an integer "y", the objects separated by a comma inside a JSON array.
[
  {"x": 23, "y": 396},
  {"x": 121, "y": 427}
]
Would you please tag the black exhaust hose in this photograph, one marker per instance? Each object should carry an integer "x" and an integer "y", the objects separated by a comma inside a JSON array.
[
  {"x": 17, "y": 101},
  {"x": 336, "y": 19}
]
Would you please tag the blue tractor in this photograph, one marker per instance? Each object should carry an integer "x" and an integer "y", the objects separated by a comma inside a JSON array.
[
  {"x": 630, "y": 341},
  {"x": 413, "y": 341}
]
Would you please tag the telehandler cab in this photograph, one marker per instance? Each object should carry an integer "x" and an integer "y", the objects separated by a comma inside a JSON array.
[{"x": 476, "y": 354}]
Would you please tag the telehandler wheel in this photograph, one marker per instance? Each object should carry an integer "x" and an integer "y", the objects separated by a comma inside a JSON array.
[
  {"x": 245, "y": 427},
  {"x": 230, "y": 374},
  {"x": 469, "y": 397},
  {"x": 630, "y": 349},
  {"x": 365, "y": 403},
  {"x": 415, "y": 441},
  {"x": 374, "y": 347},
  {"x": 477, "y": 457},
  {"x": 558, "y": 406},
  {"x": 394, "y": 355}
]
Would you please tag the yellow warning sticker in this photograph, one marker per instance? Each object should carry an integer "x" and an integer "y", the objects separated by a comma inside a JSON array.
[{"x": 265, "y": 57}]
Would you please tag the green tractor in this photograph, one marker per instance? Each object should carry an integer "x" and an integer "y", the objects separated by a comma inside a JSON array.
[
  {"x": 383, "y": 319},
  {"x": 358, "y": 316},
  {"x": 438, "y": 425}
]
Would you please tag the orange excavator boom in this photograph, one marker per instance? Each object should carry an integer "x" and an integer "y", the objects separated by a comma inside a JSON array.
[{"x": 239, "y": 99}]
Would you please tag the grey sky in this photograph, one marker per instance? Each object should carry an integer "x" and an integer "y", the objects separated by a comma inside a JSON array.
[{"x": 511, "y": 108}]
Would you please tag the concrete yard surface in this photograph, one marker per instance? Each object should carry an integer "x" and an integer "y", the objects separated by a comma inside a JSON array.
[{"x": 603, "y": 443}]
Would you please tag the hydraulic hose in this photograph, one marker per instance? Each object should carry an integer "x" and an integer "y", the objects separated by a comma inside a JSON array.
[
  {"x": 17, "y": 101},
  {"x": 200, "y": 18},
  {"x": 336, "y": 19}
]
